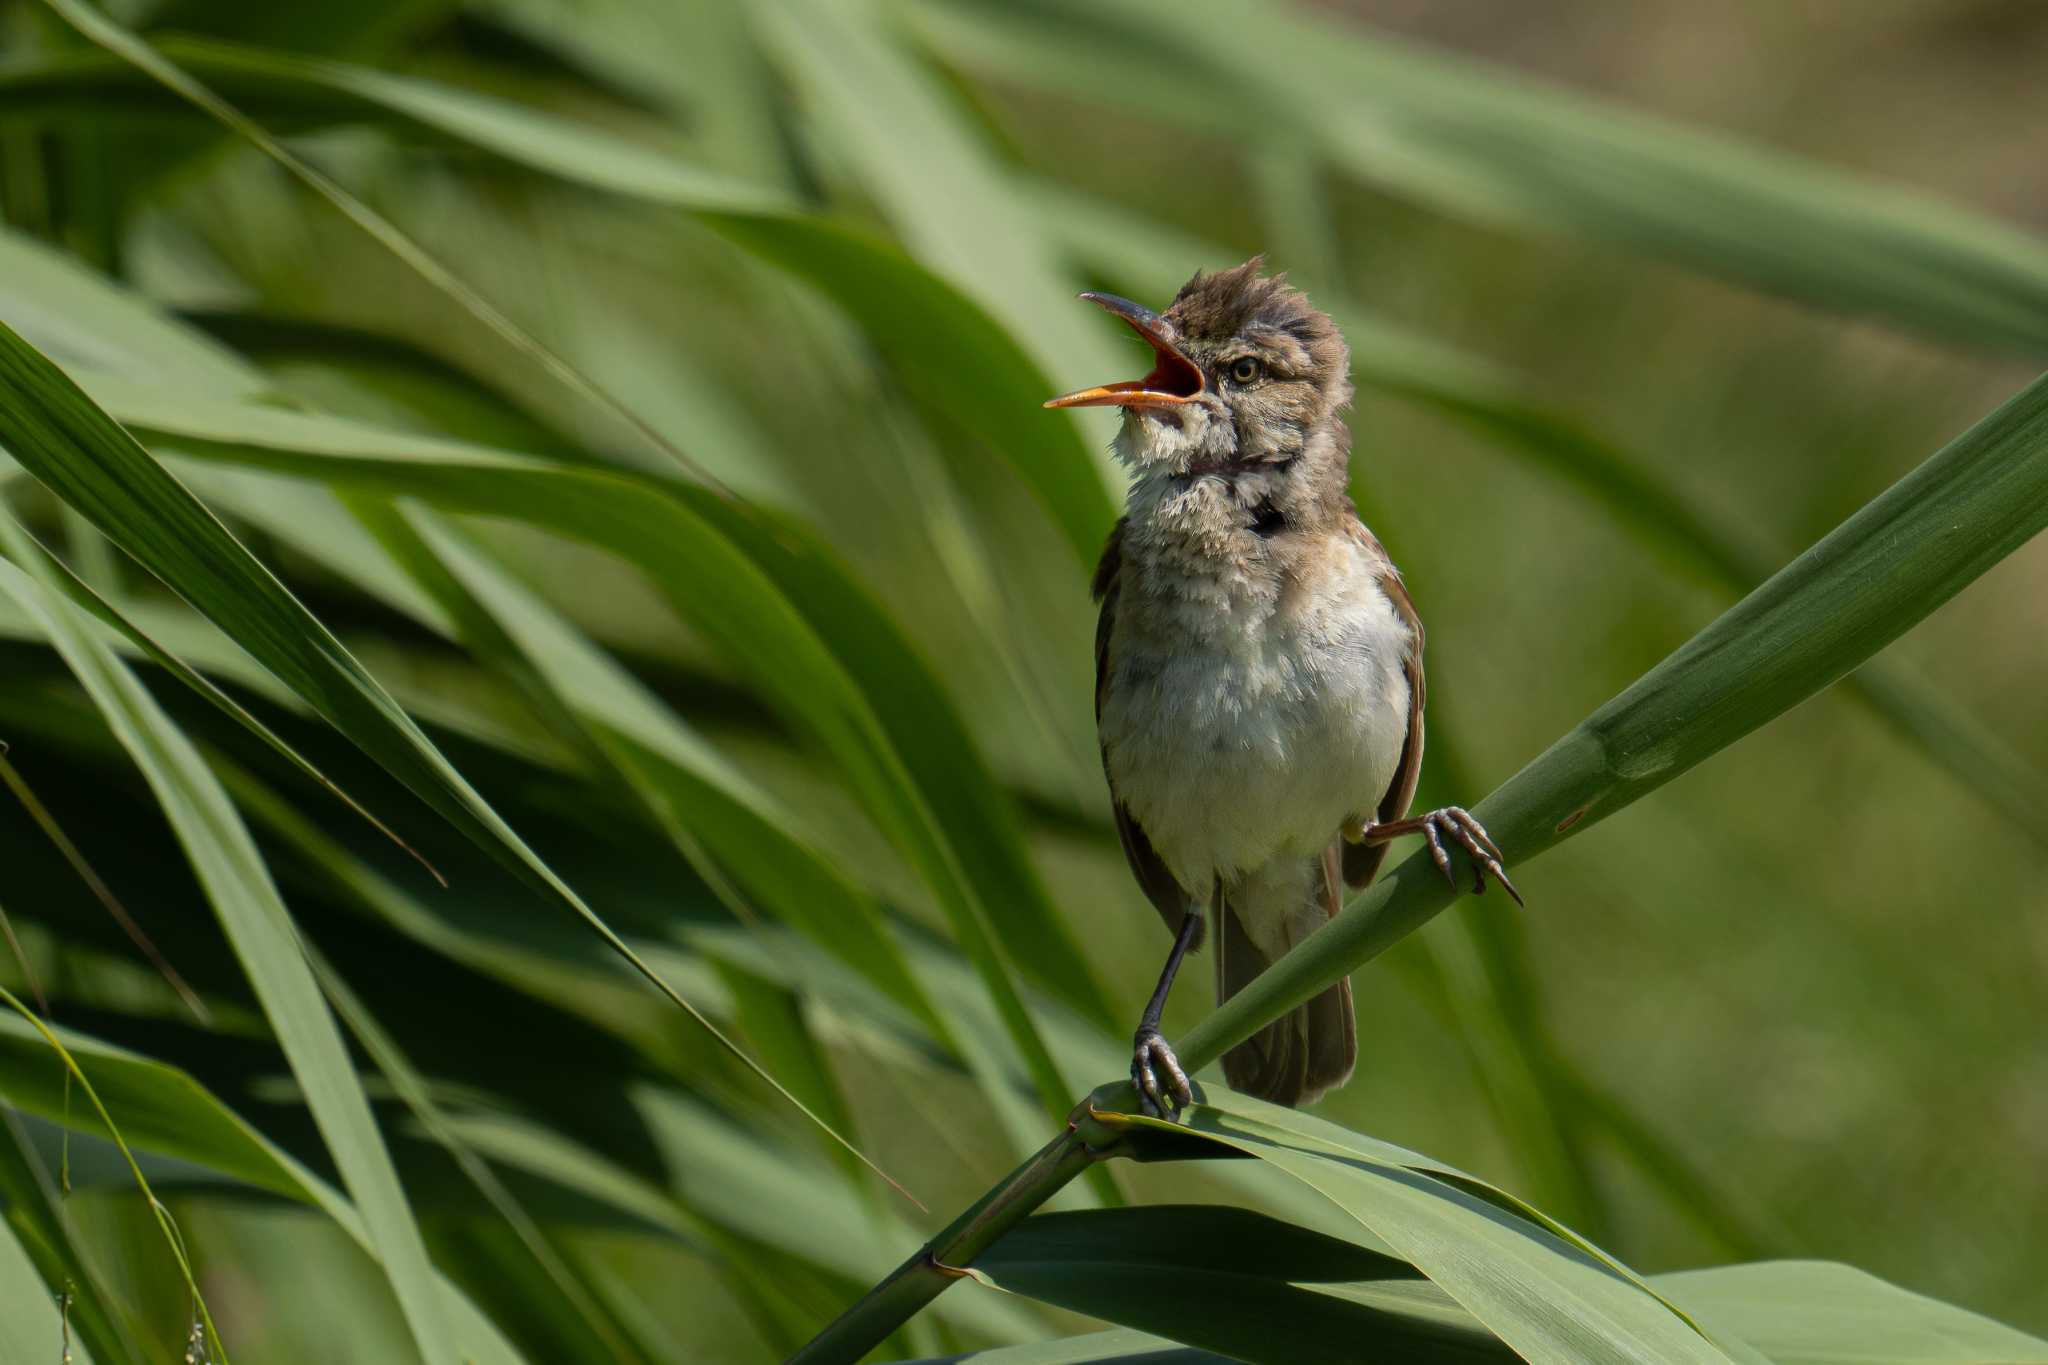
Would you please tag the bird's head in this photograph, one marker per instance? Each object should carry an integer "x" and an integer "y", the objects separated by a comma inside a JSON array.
[{"x": 1247, "y": 383}]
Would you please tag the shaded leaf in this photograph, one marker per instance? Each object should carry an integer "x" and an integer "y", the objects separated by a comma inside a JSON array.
[
  {"x": 1240, "y": 1283},
  {"x": 1549, "y": 1295},
  {"x": 1120, "y": 1347},
  {"x": 163, "y": 1109},
  {"x": 261, "y": 931}
]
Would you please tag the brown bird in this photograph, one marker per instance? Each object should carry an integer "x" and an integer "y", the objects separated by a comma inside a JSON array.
[{"x": 1258, "y": 666}]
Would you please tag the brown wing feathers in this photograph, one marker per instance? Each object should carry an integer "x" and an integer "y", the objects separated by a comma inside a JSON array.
[
  {"x": 1167, "y": 895},
  {"x": 1362, "y": 861}
]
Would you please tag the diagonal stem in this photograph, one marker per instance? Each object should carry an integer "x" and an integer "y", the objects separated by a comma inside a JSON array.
[{"x": 943, "y": 1259}]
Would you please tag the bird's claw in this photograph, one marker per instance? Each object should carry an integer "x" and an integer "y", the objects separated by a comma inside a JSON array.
[
  {"x": 1152, "y": 1056},
  {"x": 1471, "y": 836}
]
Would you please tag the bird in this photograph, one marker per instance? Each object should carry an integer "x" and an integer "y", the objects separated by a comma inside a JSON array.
[{"x": 1258, "y": 667}]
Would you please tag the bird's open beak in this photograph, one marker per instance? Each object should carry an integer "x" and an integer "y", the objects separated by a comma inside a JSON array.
[{"x": 1174, "y": 378}]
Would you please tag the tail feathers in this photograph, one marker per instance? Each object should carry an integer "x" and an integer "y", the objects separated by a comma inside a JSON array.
[{"x": 1297, "y": 1059}]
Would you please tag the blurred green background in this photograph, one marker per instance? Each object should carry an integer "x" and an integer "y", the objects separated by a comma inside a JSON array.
[{"x": 1791, "y": 1006}]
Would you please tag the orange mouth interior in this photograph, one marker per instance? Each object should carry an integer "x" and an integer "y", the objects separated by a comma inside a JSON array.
[{"x": 1173, "y": 378}]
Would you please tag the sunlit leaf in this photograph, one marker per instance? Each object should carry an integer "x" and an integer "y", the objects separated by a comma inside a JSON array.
[{"x": 1546, "y": 1293}]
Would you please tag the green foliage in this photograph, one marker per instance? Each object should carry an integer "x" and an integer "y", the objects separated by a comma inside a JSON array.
[{"x": 587, "y": 457}]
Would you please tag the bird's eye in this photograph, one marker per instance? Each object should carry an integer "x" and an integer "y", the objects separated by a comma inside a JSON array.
[{"x": 1245, "y": 370}]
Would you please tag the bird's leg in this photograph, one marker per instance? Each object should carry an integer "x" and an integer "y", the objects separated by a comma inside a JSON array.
[
  {"x": 1151, "y": 1054},
  {"x": 1454, "y": 821}
]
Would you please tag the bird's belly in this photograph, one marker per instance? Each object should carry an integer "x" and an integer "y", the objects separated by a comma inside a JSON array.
[{"x": 1231, "y": 756}]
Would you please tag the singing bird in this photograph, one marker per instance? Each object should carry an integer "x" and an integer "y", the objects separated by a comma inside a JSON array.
[{"x": 1258, "y": 666}]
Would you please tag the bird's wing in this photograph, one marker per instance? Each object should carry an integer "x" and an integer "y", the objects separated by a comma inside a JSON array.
[
  {"x": 1362, "y": 861},
  {"x": 1158, "y": 884}
]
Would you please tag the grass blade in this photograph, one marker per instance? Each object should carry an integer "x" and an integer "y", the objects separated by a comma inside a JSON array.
[
  {"x": 47, "y": 1038},
  {"x": 167, "y": 1111},
  {"x": 705, "y": 804},
  {"x": 82, "y": 593},
  {"x": 125, "y": 45},
  {"x": 397, "y": 1069},
  {"x": 40, "y": 815},
  {"x": 87, "y": 459},
  {"x": 260, "y": 928},
  {"x": 82, "y": 318},
  {"x": 49, "y": 1235},
  {"x": 951, "y": 204}
]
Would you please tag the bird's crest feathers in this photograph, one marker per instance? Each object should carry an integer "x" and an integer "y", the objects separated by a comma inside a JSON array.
[{"x": 1226, "y": 303}]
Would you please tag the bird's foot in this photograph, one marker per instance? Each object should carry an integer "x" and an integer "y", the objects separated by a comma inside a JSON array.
[
  {"x": 1458, "y": 823},
  {"x": 1163, "y": 1089}
]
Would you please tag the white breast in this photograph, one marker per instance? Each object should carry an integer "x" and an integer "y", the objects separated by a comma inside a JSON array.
[{"x": 1253, "y": 726}]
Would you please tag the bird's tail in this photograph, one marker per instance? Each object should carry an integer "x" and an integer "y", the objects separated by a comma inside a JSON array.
[{"x": 1297, "y": 1058}]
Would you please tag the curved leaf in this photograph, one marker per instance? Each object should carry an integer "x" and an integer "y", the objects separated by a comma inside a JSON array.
[
  {"x": 1236, "y": 1282},
  {"x": 1548, "y": 1296},
  {"x": 82, "y": 593},
  {"x": 955, "y": 210},
  {"x": 238, "y": 885},
  {"x": 85, "y": 321},
  {"x": 86, "y": 458}
]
